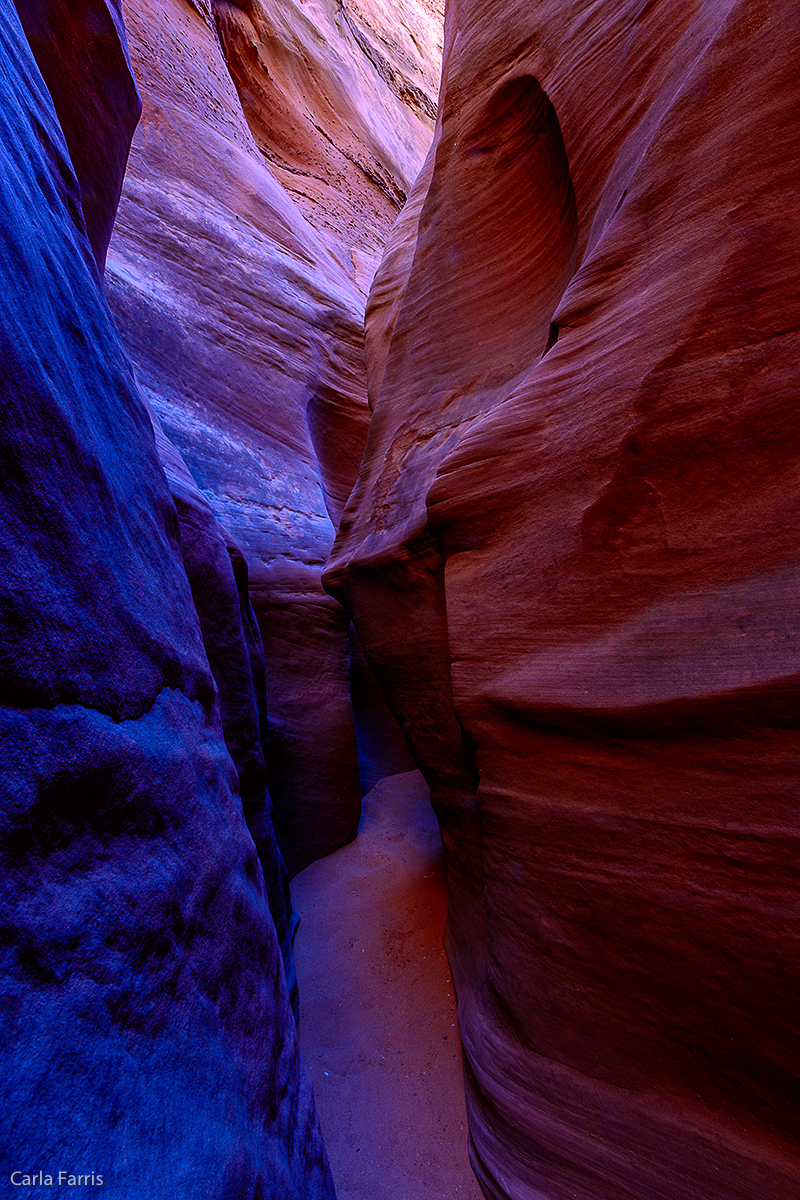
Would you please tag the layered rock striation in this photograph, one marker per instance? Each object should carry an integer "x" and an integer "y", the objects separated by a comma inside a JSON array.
[
  {"x": 341, "y": 101},
  {"x": 245, "y": 326},
  {"x": 572, "y": 559}
]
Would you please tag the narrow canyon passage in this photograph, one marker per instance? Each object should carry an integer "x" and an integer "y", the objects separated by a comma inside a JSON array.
[
  {"x": 378, "y": 1027},
  {"x": 520, "y": 508}
]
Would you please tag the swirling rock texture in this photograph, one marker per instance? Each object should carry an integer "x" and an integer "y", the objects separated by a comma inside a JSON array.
[
  {"x": 571, "y": 557},
  {"x": 341, "y": 102},
  {"x": 149, "y": 1041},
  {"x": 245, "y": 324}
]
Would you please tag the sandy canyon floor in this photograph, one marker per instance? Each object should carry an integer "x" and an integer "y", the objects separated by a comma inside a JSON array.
[{"x": 378, "y": 1027}]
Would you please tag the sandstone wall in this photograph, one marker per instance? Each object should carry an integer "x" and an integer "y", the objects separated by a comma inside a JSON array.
[
  {"x": 149, "y": 1039},
  {"x": 245, "y": 326},
  {"x": 571, "y": 557},
  {"x": 341, "y": 101}
]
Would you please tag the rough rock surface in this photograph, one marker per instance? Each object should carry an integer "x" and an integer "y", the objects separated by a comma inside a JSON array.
[
  {"x": 218, "y": 577},
  {"x": 572, "y": 559},
  {"x": 149, "y": 1037},
  {"x": 246, "y": 332}
]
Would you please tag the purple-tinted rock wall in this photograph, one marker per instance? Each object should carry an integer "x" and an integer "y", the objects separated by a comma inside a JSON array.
[{"x": 245, "y": 327}]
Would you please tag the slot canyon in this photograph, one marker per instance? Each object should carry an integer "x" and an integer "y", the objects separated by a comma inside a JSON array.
[{"x": 400, "y": 599}]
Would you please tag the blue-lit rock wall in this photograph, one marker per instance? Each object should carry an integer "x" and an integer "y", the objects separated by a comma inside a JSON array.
[{"x": 148, "y": 1033}]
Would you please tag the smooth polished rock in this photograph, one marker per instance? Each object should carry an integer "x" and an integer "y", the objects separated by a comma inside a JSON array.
[
  {"x": 218, "y": 577},
  {"x": 83, "y": 56},
  {"x": 149, "y": 1037},
  {"x": 245, "y": 323},
  {"x": 572, "y": 560}
]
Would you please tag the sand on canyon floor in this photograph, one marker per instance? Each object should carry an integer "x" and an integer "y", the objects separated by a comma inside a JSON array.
[{"x": 378, "y": 1027}]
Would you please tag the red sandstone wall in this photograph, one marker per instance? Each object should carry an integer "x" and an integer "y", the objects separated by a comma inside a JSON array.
[
  {"x": 341, "y": 101},
  {"x": 572, "y": 560}
]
